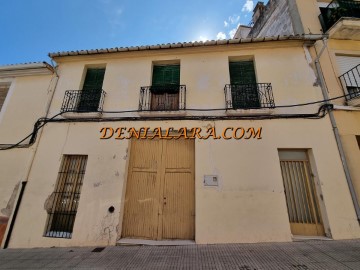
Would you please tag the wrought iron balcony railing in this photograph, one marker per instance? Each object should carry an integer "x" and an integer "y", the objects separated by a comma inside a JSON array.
[
  {"x": 350, "y": 82},
  {"x": 249, "y": 96},
  {"x": 83, "y": 100},
  {"x": 162, "y": 98},
  {"x": 336, "y": 10}
]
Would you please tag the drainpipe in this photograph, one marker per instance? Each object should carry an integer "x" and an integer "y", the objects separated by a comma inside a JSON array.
[
  {"x": 336, "y": 131},
  {"x": 28, "y": 169}
]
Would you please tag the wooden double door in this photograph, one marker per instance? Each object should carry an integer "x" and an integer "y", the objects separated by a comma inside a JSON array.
[{"x": 160, "y": 190}]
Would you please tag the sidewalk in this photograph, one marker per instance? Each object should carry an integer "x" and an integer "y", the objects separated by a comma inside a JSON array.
[{"x": 297, "y": 255}]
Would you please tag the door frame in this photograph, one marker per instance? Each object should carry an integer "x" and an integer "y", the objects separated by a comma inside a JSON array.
[
  {"x": 318, "y": 192},
  {"x": 126, "y": 178}
]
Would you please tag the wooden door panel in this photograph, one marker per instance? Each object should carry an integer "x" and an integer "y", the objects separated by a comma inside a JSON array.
[
  {"x": 141, "y": 206},
  {"x": 178, "y": 217},
  {"x": 179, "y": 154},
  {"x": 178, "y": 220},
  {"x": 301, "y": 199},
  {"x": 160, "y": 192}
]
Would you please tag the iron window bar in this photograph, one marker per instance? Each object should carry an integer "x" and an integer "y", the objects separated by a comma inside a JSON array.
[
  {"x": 249, "y": 96},
  {"x": 83, "y": 101},
  {"x": 350, "y": 82},
  {"x": 64, "y": 201},
  {"x": 162, "y": 98},
  {"x": 336, "y": 10}
]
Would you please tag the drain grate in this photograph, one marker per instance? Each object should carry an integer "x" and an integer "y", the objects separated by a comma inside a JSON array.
[{"x": 98, "y": 249}]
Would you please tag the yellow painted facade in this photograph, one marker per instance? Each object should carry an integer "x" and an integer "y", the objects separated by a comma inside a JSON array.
[
  {"x": 248, "y": 204},
  {"x": 340, "y": 42}
]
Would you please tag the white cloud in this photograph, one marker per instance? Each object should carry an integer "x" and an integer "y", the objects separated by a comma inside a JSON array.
[
  {"x": 248, "y": 6},
  {"x": 226, "y": 24},
  {"x": 232, "y": 32},
  {"x": 203, "y": 39},
  {"x": 221, "y": 35},
  {"x": 234, "y": 19}
]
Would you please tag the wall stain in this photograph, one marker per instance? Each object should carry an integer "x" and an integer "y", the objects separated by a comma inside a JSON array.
[{"x": 8, "y": 209}]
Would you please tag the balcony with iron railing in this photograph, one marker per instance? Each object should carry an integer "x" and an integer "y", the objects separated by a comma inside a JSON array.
[
  {"x": 80, "y": 101},
  {"x": 162, "y": 98},
  {"x": 350, "y": 82},
  {"x": 249, "y": 96},
  {"x": 342, "y": 17}
]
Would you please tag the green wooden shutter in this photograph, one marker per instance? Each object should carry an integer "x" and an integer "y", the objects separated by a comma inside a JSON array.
[
  {"x": 94, "y": 79},
  {"x": 242, "y": 72},
  {"x": 166, "y": 79},
  {"x": 244, "y": 90},
  {"x": 92, "y": 88},
  {"x": 164, "y": 75}
]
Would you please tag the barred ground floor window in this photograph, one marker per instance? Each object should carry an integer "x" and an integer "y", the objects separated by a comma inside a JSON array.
[{"x": 64, "y": 200}]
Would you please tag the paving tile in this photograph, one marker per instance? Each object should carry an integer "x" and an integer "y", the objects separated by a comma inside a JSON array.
[{"x": 294, "y": 256}]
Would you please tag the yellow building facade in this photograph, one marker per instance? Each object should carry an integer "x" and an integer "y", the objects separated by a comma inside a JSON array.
[{"x": 231, "y": 142}]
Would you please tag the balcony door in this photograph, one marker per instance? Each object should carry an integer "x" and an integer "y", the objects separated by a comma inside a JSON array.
[
  {"x": 91, "y": 91},
  {"x": 165, "y": 88},
  {"x": 244, "y": 90}
]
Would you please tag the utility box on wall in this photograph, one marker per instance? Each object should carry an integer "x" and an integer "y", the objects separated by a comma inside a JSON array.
[{"x": 211, "y": 180}]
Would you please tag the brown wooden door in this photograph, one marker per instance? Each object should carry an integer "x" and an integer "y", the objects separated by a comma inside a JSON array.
[
  {"x": 300, "y": 192},
  {"x": 160, "y": 192}
]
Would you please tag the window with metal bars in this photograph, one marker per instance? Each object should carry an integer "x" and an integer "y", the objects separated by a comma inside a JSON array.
[{"x": 63, "y": 203}]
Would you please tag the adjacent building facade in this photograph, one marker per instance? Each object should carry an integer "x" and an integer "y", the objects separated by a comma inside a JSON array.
[
  {"x": 336, "y": 57},
  {"x": 25, "y": 95}
]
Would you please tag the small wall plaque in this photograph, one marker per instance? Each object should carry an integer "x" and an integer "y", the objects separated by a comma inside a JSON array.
[{"x": 211, "y": 180}]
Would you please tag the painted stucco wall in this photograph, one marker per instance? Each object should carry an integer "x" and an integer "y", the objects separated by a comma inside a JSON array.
[
  {"x": 248, "y": 206},
  {"x": 25, "y": 102},
  {"x": 349, "y": 127}
]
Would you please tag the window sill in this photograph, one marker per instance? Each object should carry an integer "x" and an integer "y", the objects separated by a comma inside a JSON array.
[
  {"x": 161, "y": 113},
  {"x": 261, "y": 111},
  {"x": 354, "y": 102},
  {"x": 72, "y": 115}
]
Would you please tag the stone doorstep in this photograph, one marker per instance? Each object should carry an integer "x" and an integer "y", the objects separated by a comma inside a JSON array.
[{"x": 130, "y": 241}]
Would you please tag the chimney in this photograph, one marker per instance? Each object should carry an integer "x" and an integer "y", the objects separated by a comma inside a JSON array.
[{"x": 258, "y": 11}]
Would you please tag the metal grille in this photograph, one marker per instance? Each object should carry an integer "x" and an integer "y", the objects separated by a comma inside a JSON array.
[
  {"x": 300, "y": 192},
  {"x": 336, "y": 10},
  {"x": 83, "y": 100},
  {"x": 65, "y": 199},
  {"x": 350, "y": 82},
  {"x": 162, "y": 98},
  {"x": 249, "y": 96}
]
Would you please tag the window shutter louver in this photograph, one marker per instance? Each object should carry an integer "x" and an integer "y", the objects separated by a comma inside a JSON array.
[
  {"x": 91, "y": 92},
  {"x": 242, "y": 72},
  {"x": 243, "y": 85}
]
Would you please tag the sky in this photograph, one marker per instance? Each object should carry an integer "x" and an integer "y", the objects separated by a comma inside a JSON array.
[{"x": 30, "y": 29}]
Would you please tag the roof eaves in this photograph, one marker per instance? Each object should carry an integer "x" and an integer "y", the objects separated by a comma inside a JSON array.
[{"x": 185, "y": 45}]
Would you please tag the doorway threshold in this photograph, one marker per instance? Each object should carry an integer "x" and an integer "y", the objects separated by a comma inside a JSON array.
[
  {"x": 145, "y": 242},
  {"x": 301, "y": 238}
]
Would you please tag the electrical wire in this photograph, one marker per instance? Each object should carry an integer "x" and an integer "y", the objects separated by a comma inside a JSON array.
[{"x": 41, "y": 122}]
